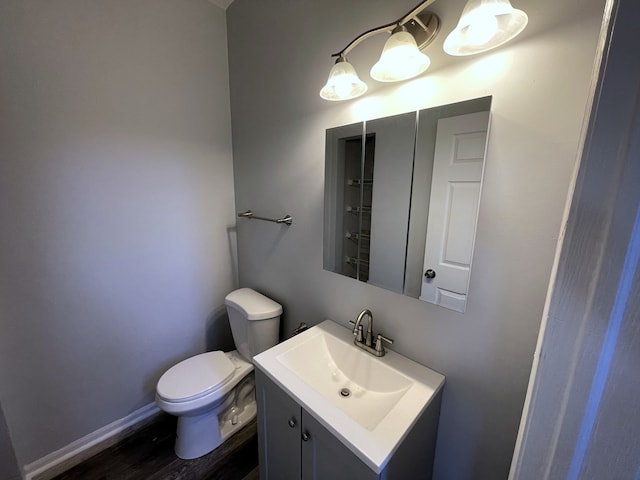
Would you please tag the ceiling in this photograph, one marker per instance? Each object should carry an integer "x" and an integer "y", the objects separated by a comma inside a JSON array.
[{"x": 221, "y": 3}]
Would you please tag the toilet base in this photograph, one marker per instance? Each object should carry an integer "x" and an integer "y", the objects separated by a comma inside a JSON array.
[{"x": 200, "y": 434}]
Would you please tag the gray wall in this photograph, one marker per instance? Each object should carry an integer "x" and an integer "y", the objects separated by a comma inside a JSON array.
[
  {"x": 279, "y": 59},
  {"x": 8, "y": 464},
  {"x": 116, "y": 206}
]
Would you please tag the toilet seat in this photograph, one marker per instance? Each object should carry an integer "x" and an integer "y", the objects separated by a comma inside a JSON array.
[{"x": 195, "y": 377}]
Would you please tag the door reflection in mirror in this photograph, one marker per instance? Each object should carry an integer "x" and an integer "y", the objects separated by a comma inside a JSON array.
[{"x": 458, "y": 163}]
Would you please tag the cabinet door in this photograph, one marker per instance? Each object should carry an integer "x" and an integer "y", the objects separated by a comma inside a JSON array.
[
  {"x": 324, "y": 457},
  {"x": 279, "y": 430}
]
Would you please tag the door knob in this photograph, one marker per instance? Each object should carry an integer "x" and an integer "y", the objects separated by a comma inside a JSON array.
[
  {"x": 430, "y": 273},
  {"x": 292, "y": 422},
  {"x": 306, "y": 437}
]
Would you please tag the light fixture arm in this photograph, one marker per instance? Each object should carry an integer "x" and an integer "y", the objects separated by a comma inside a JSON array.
[
  {"x": 389, "y": 27},
  {"x": 363, "y": 36},
  {"x": 413, "y": 13}
]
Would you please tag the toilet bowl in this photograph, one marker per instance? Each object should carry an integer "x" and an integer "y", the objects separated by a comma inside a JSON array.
[{"x": 213, "y": 394}]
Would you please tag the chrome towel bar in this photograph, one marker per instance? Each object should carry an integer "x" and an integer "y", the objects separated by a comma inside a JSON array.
[{"x": 287, "y": 219}]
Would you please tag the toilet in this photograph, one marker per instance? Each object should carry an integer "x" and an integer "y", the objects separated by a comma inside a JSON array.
[{"x": 213, "y": 394}]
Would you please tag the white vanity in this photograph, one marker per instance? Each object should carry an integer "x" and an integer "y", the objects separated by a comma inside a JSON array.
[{"x": 329, "y": 410}]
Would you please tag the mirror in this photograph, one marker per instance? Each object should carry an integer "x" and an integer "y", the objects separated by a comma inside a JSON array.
[{"x": 401, "y": 200}]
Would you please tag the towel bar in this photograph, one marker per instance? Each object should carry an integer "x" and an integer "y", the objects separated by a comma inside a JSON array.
[{"x": 287, "y": 219}]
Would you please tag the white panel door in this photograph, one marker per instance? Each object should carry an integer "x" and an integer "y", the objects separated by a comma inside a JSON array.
[{"x": 455, "y": 193}]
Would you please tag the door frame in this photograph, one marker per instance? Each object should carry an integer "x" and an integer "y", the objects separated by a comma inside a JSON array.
[{"x": 578, "y": 333}]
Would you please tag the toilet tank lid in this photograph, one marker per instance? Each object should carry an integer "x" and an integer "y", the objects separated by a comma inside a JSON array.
[{"x": 252, "y": 304}]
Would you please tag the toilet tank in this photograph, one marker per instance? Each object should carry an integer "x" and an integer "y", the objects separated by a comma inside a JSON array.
[{"x": 254, "y": 320}]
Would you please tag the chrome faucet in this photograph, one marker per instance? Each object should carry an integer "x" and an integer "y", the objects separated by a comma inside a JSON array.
[
  {"x": 356, "y": 328},
  {"x": 366, "y": 341}
]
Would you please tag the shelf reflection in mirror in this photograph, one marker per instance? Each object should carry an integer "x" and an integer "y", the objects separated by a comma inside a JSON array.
[{"x": 401, "y": 199}]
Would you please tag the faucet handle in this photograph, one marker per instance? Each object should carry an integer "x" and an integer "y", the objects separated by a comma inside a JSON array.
[
  {"x": 359, "y": 335},
  {"x": 357, "y": 331},
  {"x": 379, "y": 346}
]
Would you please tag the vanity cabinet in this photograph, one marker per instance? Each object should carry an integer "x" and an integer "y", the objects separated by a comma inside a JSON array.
[{"x": 294, "y": 445}]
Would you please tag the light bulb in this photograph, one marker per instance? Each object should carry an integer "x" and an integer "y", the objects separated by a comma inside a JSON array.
[
  {"x": 483, "y": 25},
  {"x": 343, "y": 82},
  {"x": 481, "y": 31},
  {"x": 342, "y": 86},
  {"x": 400, "y": 59}
]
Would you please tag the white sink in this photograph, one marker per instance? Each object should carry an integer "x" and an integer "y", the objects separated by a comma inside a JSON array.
[
  {"x": 352, "y": 380},
  {"x": 369, "y": 403}
]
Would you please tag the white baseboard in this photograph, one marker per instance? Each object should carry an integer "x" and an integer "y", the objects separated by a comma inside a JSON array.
[{"x": 76, "y": 452}]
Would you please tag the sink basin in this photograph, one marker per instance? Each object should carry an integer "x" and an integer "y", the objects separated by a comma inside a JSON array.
[
  {"x": 350, "y": 379},
  {"x": 370, "y": 403}
]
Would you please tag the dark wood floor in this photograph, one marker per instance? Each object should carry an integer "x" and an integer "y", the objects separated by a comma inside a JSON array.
[{"x": 148, "y": 455}]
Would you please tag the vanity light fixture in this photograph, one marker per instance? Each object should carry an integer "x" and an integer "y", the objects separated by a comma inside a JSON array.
[
  {"x": 401, "y": 57},
  {"x": 483, "y": 25}
]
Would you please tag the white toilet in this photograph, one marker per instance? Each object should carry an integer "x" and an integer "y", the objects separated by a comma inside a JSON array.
[{"x": 213, "y": 394}]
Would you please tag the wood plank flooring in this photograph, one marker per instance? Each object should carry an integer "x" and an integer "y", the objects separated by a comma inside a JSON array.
[{"x": 148, "y": 455}]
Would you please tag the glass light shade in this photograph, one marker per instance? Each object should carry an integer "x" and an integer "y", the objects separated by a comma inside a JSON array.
[
  {"x": 400, "y": 59},
  {"x": 483, "y": 25},
  {"x": 343, "y": 83}
]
